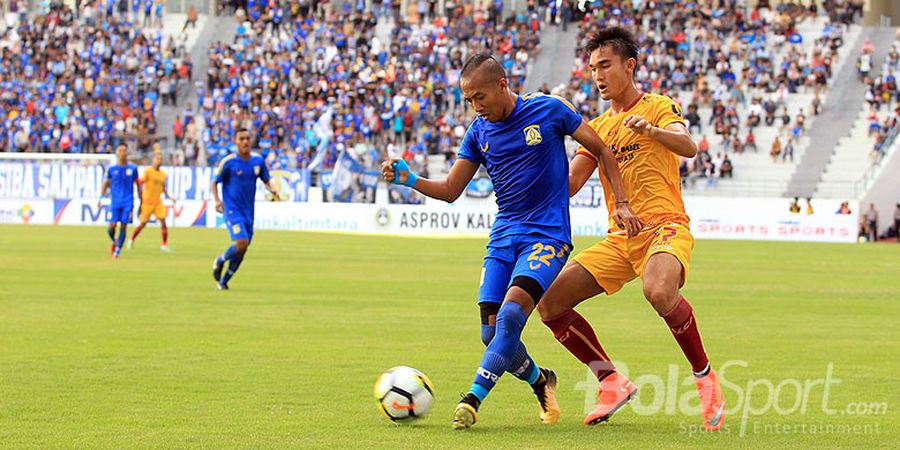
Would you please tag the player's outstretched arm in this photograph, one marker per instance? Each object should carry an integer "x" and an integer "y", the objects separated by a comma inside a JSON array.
[
  {"x": 449, "y": 189},
  {"x": 581, "y": 168},
  {"x": 623, "y": 216}
]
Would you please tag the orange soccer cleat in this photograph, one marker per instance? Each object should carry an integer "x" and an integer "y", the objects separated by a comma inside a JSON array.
[
  {"x": 712, "y": 402},
  {"x": 615, "y": 391}
]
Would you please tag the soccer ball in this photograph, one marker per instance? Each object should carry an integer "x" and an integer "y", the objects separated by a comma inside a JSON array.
[{"x": 404, "y": 394}]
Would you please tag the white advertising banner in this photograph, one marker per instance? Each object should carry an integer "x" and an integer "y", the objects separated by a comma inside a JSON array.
[
  {"x": 711, "y": 218},
  {"x": 38, "y": 212},
  {"x": 86, "y": 212},
  {"x": 770, "y": 219}
]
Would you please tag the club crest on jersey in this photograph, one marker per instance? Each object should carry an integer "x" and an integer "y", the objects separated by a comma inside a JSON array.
[
  {"x": 533, "y": 135},
  {"x": 128, "y": 172},
  {"x": 256, "y": 170}
]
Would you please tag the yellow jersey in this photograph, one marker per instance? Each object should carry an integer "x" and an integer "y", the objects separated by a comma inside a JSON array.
[
  {"x": 649, "y": 169},
  {"x": 154, "y": 182}
]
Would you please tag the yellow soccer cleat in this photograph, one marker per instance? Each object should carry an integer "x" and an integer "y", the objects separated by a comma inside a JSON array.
[
  {"x": 546, "y": 394},
  {"x": 466, "y": 413}
]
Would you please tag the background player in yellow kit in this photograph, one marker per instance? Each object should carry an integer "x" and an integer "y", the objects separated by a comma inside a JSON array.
[
  {"x": 154, "y": 182},
  {"x": 648, "y": 136}
]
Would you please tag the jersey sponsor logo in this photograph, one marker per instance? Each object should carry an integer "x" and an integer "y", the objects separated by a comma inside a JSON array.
[
  {"x": 624, "y": 153},
  {"x": 533, "y": 135},
  {"x": 484, "y": 373}
]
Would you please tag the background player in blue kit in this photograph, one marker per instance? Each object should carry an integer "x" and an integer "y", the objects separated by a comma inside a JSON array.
[
  {"x": 521, "y": 142},
  {"x": 238, "y": 173},
  {"x": 122, "y": 178}
]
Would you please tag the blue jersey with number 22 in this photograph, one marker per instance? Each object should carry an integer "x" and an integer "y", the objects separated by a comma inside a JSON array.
[{"x": 525, "y": 157}]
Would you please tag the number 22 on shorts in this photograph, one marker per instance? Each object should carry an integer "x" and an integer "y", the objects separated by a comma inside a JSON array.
[{"x": 542, "y": 254}]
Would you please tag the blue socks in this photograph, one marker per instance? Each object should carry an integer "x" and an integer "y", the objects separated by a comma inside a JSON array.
[
  {"x": 234, "y": 262},
  {"x": 230, "y": 252},
  {"x": 521, "y": 365},
  {"x": 121, "y": 239},
  {"x": 502, "y": 351}
]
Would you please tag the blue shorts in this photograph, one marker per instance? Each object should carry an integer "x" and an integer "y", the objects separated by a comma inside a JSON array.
[
  {"x": 119, "y": 213},
  {"x": 538, "y": 259},
  {"x": 240, "y": 229}
]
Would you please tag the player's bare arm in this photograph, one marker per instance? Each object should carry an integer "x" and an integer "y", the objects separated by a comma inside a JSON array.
[
  {"x": 580, "y": 169},
  {"x": 623, "y": 216},
  {"x": 272, "y": 190},
  {"x": 220, "y": 208},
  {"x": 103, "y": 190},
  {"x": 140, "y": 189},
  {"x": 675, "y": 136},
  {"x": 448, "y": 189}
]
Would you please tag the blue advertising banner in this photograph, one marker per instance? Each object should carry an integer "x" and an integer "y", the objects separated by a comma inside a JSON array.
[
  {"x": 479, "y": 188},
  {"x": 62, "y": 180}
]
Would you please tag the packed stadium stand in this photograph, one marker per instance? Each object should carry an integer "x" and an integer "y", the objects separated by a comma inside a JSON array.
[
  {"x": 858, "y": 156},
  {"x": 781, "y": 100}
]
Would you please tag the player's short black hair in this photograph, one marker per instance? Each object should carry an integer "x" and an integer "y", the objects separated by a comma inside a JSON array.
[
  {"x": 619, "y": 39},
  {"x": 485, "y": 62},
  {"x": 240, "y": 130}
]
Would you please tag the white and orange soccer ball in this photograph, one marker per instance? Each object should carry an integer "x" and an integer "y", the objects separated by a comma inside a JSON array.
[{"x": 404, "y": 394}]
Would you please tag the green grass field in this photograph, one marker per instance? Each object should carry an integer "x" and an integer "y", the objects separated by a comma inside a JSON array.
[{"x": 144, "y": 352}]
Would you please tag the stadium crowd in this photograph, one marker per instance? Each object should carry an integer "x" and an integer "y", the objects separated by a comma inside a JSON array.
[
  {"x": 85, "y": 82},
  {"x": 314, "y": 86},
  {"x": 738, "y": 65},
  {"x": 882, "y": 94}
]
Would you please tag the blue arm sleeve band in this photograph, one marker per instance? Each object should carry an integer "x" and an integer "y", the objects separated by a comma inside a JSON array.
[{"x": 401, "y": 165}]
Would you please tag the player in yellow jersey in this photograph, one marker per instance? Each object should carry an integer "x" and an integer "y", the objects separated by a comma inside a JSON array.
[
  {"x": 154, "y": 182},
  {"x": 648, "y": 136}
]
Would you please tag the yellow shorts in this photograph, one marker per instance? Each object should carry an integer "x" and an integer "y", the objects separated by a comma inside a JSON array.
[
  {"x": 158, "y": 210},
  {"x": 617, "y": 260}
]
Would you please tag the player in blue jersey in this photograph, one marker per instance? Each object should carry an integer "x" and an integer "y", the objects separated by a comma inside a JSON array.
[
  {"x": 520, "y": 140},
  {"x": 237, "y": 173},
  {"x": 123, "y": 179}
]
